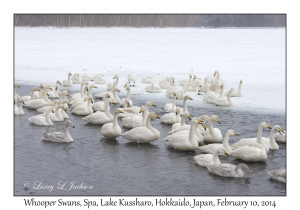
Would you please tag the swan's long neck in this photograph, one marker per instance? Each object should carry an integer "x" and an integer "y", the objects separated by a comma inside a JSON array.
[
  {"x": 192, "y": 133},
  {"x": 32, "y": 94},
  {"x": 184, "y": 105},
  {"x": 144, "y": 118},
  {"x": 259, "y": 135},
  {"x": 216, "y": 158},
  {"x": 108, "y": 114},
  {"x": 272, "y": 139},
  {"x": 67, "y": 133},
  {"x": 117, "y": 80},
  {"x": 222, "y": 91},
  {"x": 128, "y": 94},
  {"x": 47, "y": 115},
  {"x": 211, "y": 129},
  {"x": 90, "y": 92},
  {"x": 115, "y": 121},
  {"x": 229, "y": 97},
  {"x": 41, "y": 92},
  {"x": 225, "y": 142},
  {"x": 116, "y": 97},
  {"x": 148, "y": 124},
  {"x": 173, "y": 104},
  {"x": 69, "y": 79},
  {"x": 240, "y": 89}
]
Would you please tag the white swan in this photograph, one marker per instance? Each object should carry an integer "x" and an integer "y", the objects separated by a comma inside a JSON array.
[
  {"x": 230, "y": 170},
  {"x": 122, "y": 101},
  {"x": 100, "y": 105},
  {"x": 66, "y": 105},
  {"x": 147, "y": 80},
  {"x": 211, "y": 96},
  {"x": 76, "y": 79},
  {"x": 31, "y": 95},
  {"x": 224, "y": 101},
  {"x": 201, "y": 128},
  {"x": 111, "y": 86},
  {"x": 179, "y": 92},
  {"x": 112, "y": 130},
  {"x": 209, "y": 159},
  {"x": 19, "y": 110},
  {"x": 16, "y": 96},
  {"x": 55, "y": 93},
  {"x": 182, "y": 123},
  {"x": 38, "y": 103},
  {"x": 58, "y": 136},
  {"x": 44, "y": 109},
  {"x": 133, "y": 118},
  {"x": 80, "y": 101},
  {"x": 86, "y": 77},
  {"x": 167, "y": 84},
  {"x": 42, "y": 119},
  {"x": 271, "y": 140},
  {"x": 57, "y": 115},
  {"x": 212, "y": 148},
  {"x": 100, "y": 117},
  {"x": 132, "y": 78},
  {"x": 184, "y": 104},
  {"x": 213, "y": 135},
  {"x": 100, "y": 79},
  {"x": 153, "y": 89},
  {"x": 81, "y": 94},
  {"x": 171, "y": 118},
  {"x": 186, "y": 81},
  {"x": 84, "y": 109},
  {"x": 204, "y": 87},
  {"x": 38, "y": 94},
  {"x": 253, "y": 152},
  {"x": 236, "y": 93},
  {"x": 171, "y": 107},
  {"x": 258, "y": 139},
  {"x": 68, "y": 83},
  {"x": 216, "y": 81},
  {"x": 279, "y": 175},
  {"x": 280, "y": 137},
  {"x": 181, "y": 141},
  {"x": 144, "y": 134}
]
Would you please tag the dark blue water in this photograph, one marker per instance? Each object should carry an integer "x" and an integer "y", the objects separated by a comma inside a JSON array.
[{"x": 97, "y": 166}]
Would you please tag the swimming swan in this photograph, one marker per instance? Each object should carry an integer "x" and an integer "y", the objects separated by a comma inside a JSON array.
[
  {"x": 153, "y": 89},
  {"x": 186, "y": 81},
  {"x": 209, "y": 159},
  {"x": 171, "y": 107},
  {"x": 171, "y": 118},
  {"x": 271, "y": 140},
  {"x": 68, "y": 83},
  {"x": 38, "y": 103},
  {"x": 31, "y": 95},
  {"x": 280, "y": 137},
  {"x": 58, "y": 136},
  {"x": 19, "y": 110},
  {"x": 253, "y": 152},
  {"x": 184, "y": 142},
  {"x": 122, "y": 101},
  {"x": 84, "y": 109},
  {"x": 213, "y": 135},
  {"x": 258, "y": 139},
  {"x": 230, "y": 170},
  {"x": 112, "y": 130},
  {"x": 279, "y": 175},
  {"x": 212, "y": 148},
  {"x": 111, "y": 86},
  {"x": 145, "y": 134},
  {"x": 224, "y": 101},
  {"x": 42, "y": 119}
]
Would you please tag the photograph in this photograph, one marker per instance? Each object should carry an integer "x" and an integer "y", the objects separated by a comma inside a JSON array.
[{"x": 149, "y": 104}]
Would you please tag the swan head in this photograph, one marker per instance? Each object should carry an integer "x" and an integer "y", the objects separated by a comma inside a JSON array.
[
  {"x": 58, "y": 82},
  {"x": 107, "y": 95},
  {"x": 216, "y": 72},
  {"x": 241, "y": 81},
  {"x": 187, "y": 98},
  {"x": 242, "y": 170},
  {"x": 277, "y": 127},
  {"x": 215, "y": 118},
  {"x": 56, "y": 87},
  {"x": 41, "y": 86},
  {"x": 91, "y": 99},
  {"x": 196, "y": 121},
  {"x": 225, "y": 152},
  {"x": 177, "y": 110},
  {"x": 70, "y": 74},
  {"x": 17, "y": 86},
  {"x": 92, "y": 86},
  {"x": 84, "y": 83},
  {"x": 265, "y": 125},
  {"x": 150, "y": 103},
  {"x": 116, "y": 76},
  {"x": 117, "y": 111},
  {"x": 142, "y": 108},
  {"x": 117, "y": 90},
  {"x": 127, "y": 87},
  {"x": 203, "y": 125},
  {"x": 187, "y": 115},
  {"x": 153, "y": 115},
  {"x": 65, "y": 93},
  {"x": 69, "y": 123},
  {"x": 35, "y": 89},
  {"x": 232, "y": 132}
]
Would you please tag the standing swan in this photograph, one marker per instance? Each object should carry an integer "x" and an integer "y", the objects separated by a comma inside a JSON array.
[
  {"x": 112, "y": 130},
  {"x": 230, "y": 170},
  {"x": 68, "y": 83},
  {"x": 132, "y": 78},
  {"x": 144, "y": 134},
  {"x": 58, "y": 136}
]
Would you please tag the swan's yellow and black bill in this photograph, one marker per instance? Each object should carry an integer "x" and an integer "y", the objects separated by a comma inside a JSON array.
[
  {"x": 225, "y": 153},
  {"x": 234, "y": 133}
]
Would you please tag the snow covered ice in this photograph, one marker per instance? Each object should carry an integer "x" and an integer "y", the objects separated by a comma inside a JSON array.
[{"x": 257, "y": 56}]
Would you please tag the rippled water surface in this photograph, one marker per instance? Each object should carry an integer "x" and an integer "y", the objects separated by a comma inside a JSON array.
[{"x": 122, "y": 168}]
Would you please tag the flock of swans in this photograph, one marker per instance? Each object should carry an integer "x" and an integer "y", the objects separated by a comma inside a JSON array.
[{"x": 184, "y": 137}]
